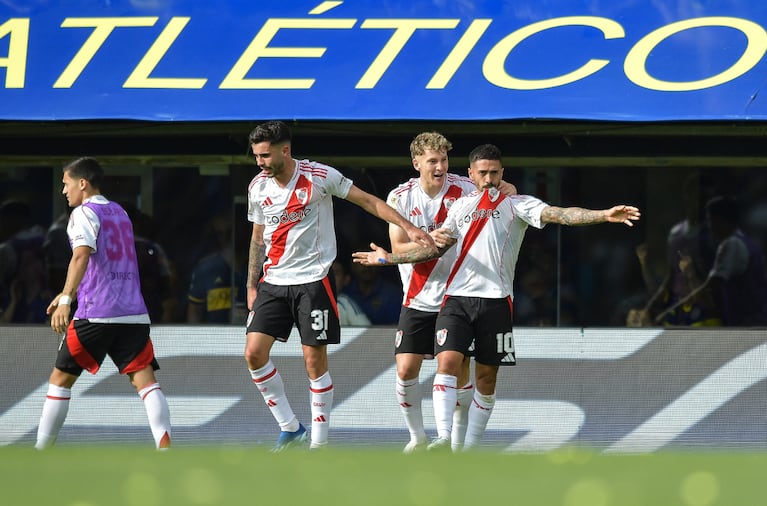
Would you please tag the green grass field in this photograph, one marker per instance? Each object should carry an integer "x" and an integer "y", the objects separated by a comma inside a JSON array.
[{"x": 112, "y": 476}]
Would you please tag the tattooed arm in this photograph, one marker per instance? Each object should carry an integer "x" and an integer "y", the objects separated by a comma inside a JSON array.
[
  {"x": 575, "y": 216},
  {"x": 415, "y": 254},
  {"x": 256, "y": 257}
]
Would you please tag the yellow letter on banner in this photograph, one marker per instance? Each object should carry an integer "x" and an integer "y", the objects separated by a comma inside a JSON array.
[
  {"x": 459, "y": 53},
  {"x": 403, "y": 30},
  {"x": 635, "y": 64},
  {"x": 493, "y": 67},
  {"x": 16, "y": 62},
  {"x": 102, "y": 29},
  {"x": 259, "y": 48},
  {"x": 139, "y": 78}
]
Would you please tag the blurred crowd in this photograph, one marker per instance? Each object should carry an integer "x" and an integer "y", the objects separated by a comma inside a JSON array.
[{"x": 697, "y": 258}]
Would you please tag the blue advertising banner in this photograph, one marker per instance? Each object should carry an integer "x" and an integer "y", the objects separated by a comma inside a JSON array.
[{"x": 184, "y": 60}]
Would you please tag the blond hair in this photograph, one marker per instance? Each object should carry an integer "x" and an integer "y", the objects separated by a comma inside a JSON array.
[{"x": 434, "y": 141}]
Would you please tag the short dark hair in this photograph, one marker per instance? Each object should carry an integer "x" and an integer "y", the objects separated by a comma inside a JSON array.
[
  {"x": 86, "y": 168},
  {"x": 273, "y": 132},
  {"x": 726, "y": 208},
  {"x": 485, "y": 152}
]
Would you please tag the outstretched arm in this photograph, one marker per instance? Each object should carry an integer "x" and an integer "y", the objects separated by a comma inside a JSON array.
[
  {"x": 575, "y": 216},
  {"x": 381, "y": 209},
  {"x": 413, "y": 254}
]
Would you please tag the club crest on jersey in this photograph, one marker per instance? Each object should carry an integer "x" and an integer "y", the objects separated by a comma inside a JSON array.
[
  {"x": 441, "y": 337},
  {"x": 302, "y": 195},
  {"x": 397, "y": 338},
  {"x": 493, "y": 193},
  {"x": 448, "y": 201}
]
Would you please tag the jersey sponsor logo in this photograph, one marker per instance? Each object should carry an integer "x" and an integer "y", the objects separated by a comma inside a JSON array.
[
  {"x": 288, "y": 217},
  {"x": 478, "y": 215},
  {"x": 441, "y": 336},
  {"x": 122, "y": 276},
  {"x": 397, "y": 338},
  {"x": 430, "y": 228},
  {"x": 415, "y": 212},
  {"x": 323, "y": 336},
  {"x": 267, "y": 202}
]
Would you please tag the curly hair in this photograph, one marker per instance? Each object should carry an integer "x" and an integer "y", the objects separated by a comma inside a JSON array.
[{"x": 434, "y": 141}]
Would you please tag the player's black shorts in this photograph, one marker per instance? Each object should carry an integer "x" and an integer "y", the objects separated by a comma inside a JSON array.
[
  {"x": 86, "y": 344},
  {"x": 487, "y": 322},
  {"x": 311, "y": 307},
  {"x": 415, "y": 332}
]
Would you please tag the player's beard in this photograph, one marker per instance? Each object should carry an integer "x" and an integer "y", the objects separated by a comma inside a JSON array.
[{"x": 274, "y": 170}]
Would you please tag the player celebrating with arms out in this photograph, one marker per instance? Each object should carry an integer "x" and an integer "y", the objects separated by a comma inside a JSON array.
[
  {"x": 426, "y": 200},
  {"x": 293, "y": 243},
  {"x": 488, "y": 228}
]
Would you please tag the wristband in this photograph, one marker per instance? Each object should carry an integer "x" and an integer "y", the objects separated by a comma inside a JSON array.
[{"x": 65, "y": 300}]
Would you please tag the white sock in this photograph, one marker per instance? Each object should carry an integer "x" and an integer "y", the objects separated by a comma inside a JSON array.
[
  {"x": 322, "y": 403},
  {"x": 461, "y": 416},
  {"x": 444, "y": 397},
  {"x": 409, "y": 399},
  {"x": 269, "y": 382},
  {"x": 479, "y": 413},
  {"x": 157, "y": 412},
  {"x": 54, "y": 413}
]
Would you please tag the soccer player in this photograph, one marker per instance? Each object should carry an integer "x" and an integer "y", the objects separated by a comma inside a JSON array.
[
  {"x": 111, "y": 317},
  {"x": 488, "y": 228},
  {"x": 292, "y": 247},
  {"x": 425, "y": 200}
]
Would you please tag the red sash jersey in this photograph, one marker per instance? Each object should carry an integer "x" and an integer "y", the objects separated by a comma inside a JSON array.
[
  {"x": 490, "y": 227},
  {"x": 298, "y": 222},
  {"x": 424, "y": 283}
]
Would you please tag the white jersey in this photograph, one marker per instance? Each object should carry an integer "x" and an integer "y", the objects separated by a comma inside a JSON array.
[
  {"x": 490, "y": 227},
  {"x": 424, "y": 284},
  {"x": 299, "y": 232}
]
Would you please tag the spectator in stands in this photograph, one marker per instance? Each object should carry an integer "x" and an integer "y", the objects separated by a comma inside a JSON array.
[
  {"x": 153, "y": 265},
  {"x": 349, "y": 312},
  {"x": 378, "y": 296},
  {"x": 217, "y": 289},
  {"x": 736, "y": 283},
  {"x": 21, "y": 254},
  {"x": 57, "y": 252},
  {"x": 28, "y": 296},
  {"x": 688, "y": 241}
]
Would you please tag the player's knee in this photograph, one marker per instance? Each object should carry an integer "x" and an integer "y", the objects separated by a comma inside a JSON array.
[
  {"x": 408, "y": 371},
  {"x": 255, "y": 358}
]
